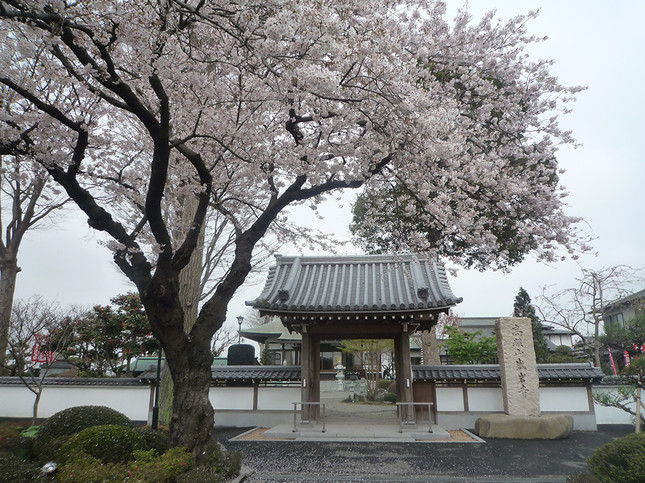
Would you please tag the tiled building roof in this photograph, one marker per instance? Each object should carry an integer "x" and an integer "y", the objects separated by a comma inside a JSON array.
[
  {"x": 80, "y": 381},
  {"x": 246, "y": 373},
  {"x": 256, "y": 373},
  {"x": 363, "y": 284},
  {"x": 484, "y": 372},
  {"x": 491, "y": 372}
]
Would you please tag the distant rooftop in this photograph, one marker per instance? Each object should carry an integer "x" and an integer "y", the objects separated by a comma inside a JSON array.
[{"x": 625, "y": 300}]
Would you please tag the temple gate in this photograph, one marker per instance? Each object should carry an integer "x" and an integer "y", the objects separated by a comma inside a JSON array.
[{"x": 356, "y": 297}]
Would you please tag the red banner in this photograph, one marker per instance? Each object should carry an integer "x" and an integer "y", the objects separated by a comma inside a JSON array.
[{"x": 39, "y": 355}]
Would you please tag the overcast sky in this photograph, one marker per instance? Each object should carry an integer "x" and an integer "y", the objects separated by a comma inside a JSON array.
[{"x": 595, "y": 43}]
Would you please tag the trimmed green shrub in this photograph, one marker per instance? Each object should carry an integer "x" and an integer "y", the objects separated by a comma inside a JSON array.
[
  {"x": 109, "y": 443},
  {"x": 20, "y": 446},
  {"x": 57, "y": 429},
  {"x": 147, "y": 467},
  {"x": 158, "y": 440},
  {"x": 83, "y": 468},
  {"x": 621, "y": 460},
  {"x": 165, "y": 468},
  {"x": 389, "y": 397},
  {"x": 16, "y": 470}
]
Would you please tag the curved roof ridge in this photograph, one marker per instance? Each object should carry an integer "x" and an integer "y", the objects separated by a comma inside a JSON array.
[{"x": 359, "y": 283}]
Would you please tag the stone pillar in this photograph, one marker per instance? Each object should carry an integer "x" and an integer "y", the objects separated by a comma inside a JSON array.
[
  {"x": 403, "y": 370},
  {"x": 520, "y": 382}
]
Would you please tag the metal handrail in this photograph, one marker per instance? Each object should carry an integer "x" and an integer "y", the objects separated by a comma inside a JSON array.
[
  {"x": 302, "y": 403},
  {"x": 400, "y": 405}
]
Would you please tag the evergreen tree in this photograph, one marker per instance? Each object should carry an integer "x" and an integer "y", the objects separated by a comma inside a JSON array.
[
  {"x": 524, "y": 308},
  {"x": 266, "y": 359}
]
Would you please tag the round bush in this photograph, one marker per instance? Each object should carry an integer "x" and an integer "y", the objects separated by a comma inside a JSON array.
[
  {"x": 389, "y": 397},
  {"x": 157, "y": 440},
  {"x": 56, "y": 430},
  {"x": 20, "y": 446},
  {"x": 621, "y": 460},
  {"x": 109, "y": 443},
  {"x": 16, "y": 470}
]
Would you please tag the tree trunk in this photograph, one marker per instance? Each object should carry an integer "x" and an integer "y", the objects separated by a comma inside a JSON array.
[
  {"x": 8, "y": 273},
  {"x": 34, "y": 417},
  {"x": 165, "y": 396},
  {"x": 189, "y": 295},
  {"x": 189, "y": 359},
  {"x": 192, "y": 419},
  {"x": 430, "y": 347}
]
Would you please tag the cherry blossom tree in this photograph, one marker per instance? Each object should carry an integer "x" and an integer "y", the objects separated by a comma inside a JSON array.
[{"x": 251, "y": 107}]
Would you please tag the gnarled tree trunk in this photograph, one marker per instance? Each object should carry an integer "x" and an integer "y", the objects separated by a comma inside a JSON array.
[{"x": 8, "y": 273}]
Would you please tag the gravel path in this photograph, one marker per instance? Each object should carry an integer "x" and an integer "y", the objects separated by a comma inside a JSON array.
[{"x": 497, "y": 460}]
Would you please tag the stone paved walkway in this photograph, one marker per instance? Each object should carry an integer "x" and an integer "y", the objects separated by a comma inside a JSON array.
[{"x": 338, "y": 411}]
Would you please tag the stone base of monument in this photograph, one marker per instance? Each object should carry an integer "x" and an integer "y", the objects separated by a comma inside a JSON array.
[{"x": 524, "y": 427}]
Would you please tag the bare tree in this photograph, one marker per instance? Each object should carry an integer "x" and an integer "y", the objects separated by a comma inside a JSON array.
[
  {"x": 580, "y": 309},
  {"x": 223, "y": 338},
  {"x": 32, "y": 320},
  {"x": 26, "y": 200}
]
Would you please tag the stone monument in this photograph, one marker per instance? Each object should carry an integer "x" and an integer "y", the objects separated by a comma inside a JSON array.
[
  {"x": 520, "y": 389},
  {"x": 518, "y": 369}
]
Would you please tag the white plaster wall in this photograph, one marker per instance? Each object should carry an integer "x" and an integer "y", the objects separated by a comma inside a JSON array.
[
  {"x": 270, "y": 398},
  {"x": 231, "y": 397},
  {"x": 450, "y": 399},
  {"x": 611, "y": 415},
  {"x": 485, "y": 399},
  {"x": 17, "y": 401},
  {"x": 564, "y": 399}
]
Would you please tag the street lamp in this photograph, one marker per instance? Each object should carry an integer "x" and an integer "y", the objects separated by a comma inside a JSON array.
[{"x": 240, "y": 319}]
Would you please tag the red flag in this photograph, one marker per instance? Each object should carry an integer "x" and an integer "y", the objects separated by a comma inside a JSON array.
[{"x": 613, "y": 365}]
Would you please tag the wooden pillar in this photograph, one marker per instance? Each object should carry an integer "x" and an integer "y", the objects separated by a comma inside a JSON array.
[
  {"x": 310, "y": 372},
  {"x": 403, "y": 369}
]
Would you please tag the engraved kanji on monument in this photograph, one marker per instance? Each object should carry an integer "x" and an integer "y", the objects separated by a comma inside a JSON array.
[{"x": 520, "y": 382}]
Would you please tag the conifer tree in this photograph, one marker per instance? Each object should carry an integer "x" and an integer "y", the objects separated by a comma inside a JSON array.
[{"x": 524, "y": 308}]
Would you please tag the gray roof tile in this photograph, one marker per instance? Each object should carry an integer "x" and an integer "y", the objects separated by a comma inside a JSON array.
[
  {"x": 491, "y": 372},
  {"x": 257, "y": 373},
  {"x": 369, "y": 283},
  {"x": 79, "y": 381}
]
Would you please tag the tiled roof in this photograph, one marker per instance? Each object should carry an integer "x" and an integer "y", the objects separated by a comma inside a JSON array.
[
  {"x": 246, "y": 373},
  {"x": 491, "y": 372},
  {"x": 370, "y": 283},
  {"x": 79, "y": 381},
  {"x": 257, "y": 373},
  {"x": 272, "y": 330},
  {"x": 625, "y": 301}
]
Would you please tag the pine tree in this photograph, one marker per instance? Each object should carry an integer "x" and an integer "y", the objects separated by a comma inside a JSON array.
[
  {"x": 524, "y": 308},
  {"x": 266, "y": 358}
]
